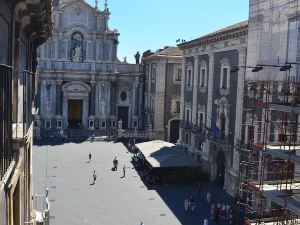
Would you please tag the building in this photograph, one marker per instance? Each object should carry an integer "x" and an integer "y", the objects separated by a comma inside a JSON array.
[
  {"x": 163, "y": 71},
  {"x": 270, "y": 180},
  {"x": 24, "y": 26},
  {"x": 82, "y": 83},
  {"x": 211, "y": 117}
]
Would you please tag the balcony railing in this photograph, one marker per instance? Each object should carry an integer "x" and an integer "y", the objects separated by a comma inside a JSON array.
[{"x": 6, "y": 151}]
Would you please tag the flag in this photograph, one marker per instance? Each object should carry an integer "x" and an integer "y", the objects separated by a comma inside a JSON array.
[{"x": 216, "y": 130}]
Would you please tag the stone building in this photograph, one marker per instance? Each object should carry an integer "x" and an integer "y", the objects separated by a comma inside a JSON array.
[
  {"x": 82, "y": 83},
  {"x": 211, "y": 106},
  {"x": 24, "y": 26},
  {"x": 163, "y": 71}
]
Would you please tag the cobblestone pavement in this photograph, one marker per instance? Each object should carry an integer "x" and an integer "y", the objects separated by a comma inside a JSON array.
[{"x": 112, "y": 200}]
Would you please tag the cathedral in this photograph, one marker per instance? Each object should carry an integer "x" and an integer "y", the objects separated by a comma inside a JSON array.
[{"x": 81, "y": 83}]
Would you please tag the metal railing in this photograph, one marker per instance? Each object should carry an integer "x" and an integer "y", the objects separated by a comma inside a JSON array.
[
  {"x": 6, "y": 151},
  {"x": 27, "y": 100}
]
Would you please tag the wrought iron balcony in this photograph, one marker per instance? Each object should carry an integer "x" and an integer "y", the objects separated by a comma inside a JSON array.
[
  {"x": 6, "y": 152},
  {"x": 198, "y": 129}
]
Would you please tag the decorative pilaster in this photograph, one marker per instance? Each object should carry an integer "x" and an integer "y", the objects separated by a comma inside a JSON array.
[
  {"x": 58, "y": 97},
  {"x": 239, "y": 110},
  {"x": 92, "y": 101},
  {"x": 195, "y": 99},
  {"x": 209, "y": 99},
  {"x": 182, "y": 97}
]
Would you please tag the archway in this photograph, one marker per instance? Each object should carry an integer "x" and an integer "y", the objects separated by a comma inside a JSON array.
[{"x": 220, "y": 178}]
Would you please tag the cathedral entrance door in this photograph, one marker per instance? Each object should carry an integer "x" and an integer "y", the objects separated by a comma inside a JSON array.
[
  {"x": 220, "y": 169},
  {"x": 123, "y": 115},
  {"x": 75, "y": 113},
  {"x": 174, "y": 131}
]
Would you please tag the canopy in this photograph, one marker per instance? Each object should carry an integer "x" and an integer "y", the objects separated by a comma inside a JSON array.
[{"x": 164, "y": 154}]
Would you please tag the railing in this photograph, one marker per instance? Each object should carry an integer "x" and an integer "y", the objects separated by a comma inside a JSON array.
[
  {"x": 27, "y": 100},
  {"x": 6, "y": 151}
]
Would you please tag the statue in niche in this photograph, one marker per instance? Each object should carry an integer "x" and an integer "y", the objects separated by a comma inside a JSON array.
[
  {"x": 102, "y": 106},
  {"x": 120, "y": 125},
  {"x": 76, "y": 47}
]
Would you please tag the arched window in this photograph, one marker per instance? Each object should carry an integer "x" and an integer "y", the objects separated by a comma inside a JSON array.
[{"x": 77, "y": 47}]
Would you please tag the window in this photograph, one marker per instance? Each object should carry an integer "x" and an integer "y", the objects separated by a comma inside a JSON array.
[
  {"x": 187, "y": 138},
  {"x": 59, "y": 124},
  {"x": 35, "y": 124},
  {"x": 187, "y": 115},
  {"x": 135, "y": 124},
  {"x": 199, "y": 144},
  {"x": 224, "y": 78},
  {"x": 103, "y": 124},
  {"x": 47, "y": 124},
  {"x": 189, "y": 78},
  {"x": 114, "y": 124},
  {"x": 153, "y": 72},
  {"x": 178, "y": 75},
  {"x": 201, "y": 119},
  {"x": 251, "y": 134},
  {"x": 177, "y": 106},
  {"x": 202, "y": 77}
]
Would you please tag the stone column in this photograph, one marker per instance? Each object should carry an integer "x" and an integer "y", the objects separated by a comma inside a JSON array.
[
  {"x": 182, "y": 97},
  {"x": 195, "y": 99},
  {"x": 65, "y": 110},
  {"x": 92, "y": 100},
  {"x": 136, "y": 99},
  {"x": 209, "y": 101},
  {"x": 58, "y": 97},
  {"x": 239, "y": 109}
]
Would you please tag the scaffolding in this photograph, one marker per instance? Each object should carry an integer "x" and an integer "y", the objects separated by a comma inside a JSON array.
[{"x": 269, "y": 187}]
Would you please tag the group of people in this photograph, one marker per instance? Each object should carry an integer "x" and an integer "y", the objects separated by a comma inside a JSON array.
[
  {"x": 220, "y": 212},
  {"x": 115, "y": 166}
]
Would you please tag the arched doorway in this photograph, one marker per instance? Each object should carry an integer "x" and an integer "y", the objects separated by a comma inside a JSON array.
[
  {"x": 173, "y": 130},
  {"x": 220, "y": 178}
]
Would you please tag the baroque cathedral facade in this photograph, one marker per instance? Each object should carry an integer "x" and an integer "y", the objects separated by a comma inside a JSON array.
[{"x": 81, "y": 82}]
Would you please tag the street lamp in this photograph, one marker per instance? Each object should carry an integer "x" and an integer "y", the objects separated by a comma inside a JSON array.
[{"x": 254, "y": 68}]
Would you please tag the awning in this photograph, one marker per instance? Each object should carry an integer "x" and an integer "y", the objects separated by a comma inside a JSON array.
[{"x": 164, "y": 154}]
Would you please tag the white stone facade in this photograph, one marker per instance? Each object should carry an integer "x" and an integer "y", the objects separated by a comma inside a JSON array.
[{"x": 81, "y": 81}]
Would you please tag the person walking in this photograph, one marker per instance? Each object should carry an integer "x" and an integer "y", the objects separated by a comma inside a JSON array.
[
  {"x": 94, "y": 177},
  {"x": 208, "y": 197},
  {"x": 186, "y": 204},
  {"x": 90, "y": 156},
  {"x": 124, "y": 170},
  {"x": 115, "y": 162},
  {"x": 205, "y": 222}
]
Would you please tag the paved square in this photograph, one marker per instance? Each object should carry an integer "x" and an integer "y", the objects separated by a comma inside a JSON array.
[{"x": 113, "y": 200}]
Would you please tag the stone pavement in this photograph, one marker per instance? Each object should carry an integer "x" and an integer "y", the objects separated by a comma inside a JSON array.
[{"x": 113, "y": 200}]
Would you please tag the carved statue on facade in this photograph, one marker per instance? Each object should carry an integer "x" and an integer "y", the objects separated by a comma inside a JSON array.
[
  {"x": 120, "y": 124},
  {"x": 77, "y": 54},
  {"x": 103, "y": 105},
  {"x": 137, "y": 58}
]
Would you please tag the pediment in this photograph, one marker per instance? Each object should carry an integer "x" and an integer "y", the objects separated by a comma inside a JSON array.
[{"x": 76, "y": 86}]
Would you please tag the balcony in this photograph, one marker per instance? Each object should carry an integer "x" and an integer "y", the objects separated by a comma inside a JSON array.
[
  {"x": 13, "y": 130},
  {"x": 6, "y": 152}
]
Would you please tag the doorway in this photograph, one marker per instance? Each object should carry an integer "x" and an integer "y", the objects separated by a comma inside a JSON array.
[
  {"x": 75, "y": 113},
  {"x": 220, "y": 169},
  {"x": 123, "y": 115},
  {"x": 174, "y": 131}
]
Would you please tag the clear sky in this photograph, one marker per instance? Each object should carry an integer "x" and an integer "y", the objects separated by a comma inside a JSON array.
[{"x": 153, "y": 24}]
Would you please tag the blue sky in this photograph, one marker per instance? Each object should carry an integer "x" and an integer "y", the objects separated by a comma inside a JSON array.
[{"x": 153, "y": 24}]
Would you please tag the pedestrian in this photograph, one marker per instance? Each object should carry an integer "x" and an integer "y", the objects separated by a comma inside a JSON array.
[
  {"x": 212, "y": 211},
  {"x": 223, "y": 211},
  {"x": 227, "y": 211},
  {"x": 208, "y": 196},
  {"x": 124, "y": 170},
  {"x": 93, "y": 137},
  {"x": 205, "y": 222},
  {"x": 199, "y": 192},
  {"x": 142, "y": 223},
  {"x": 90, "y": 156},
  {"x": 115, "y": 162},
  {"x": 94, "y": 177},
  {"x": 186, "y": 204}
]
